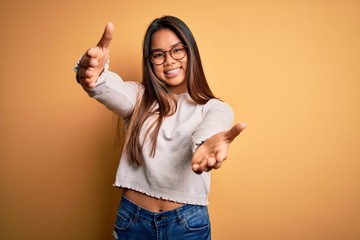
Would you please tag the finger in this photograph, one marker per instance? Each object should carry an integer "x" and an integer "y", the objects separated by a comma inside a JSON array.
[
  {"x": 90, "y": 77},
  {"x": 91, "y": 85},
  {"x": 81, "y": 72},
  {"x": 198, "y": 155},
  {"x": 221, "y": 156},
  {"x": 217, "y": 165},
  {"x": 93, "y": 53},
  {"x": 107, "y": 36},
  {"x": 200, "y": 167},
  {"x": 90, "y": 73},
  {"x": 86, "y": 73},
  {"x": 205, "y": 162},
  {"x": 88, "y": 82},
  {"x": 84, "y": 61},
  {"x": 196, "y": 168},
  {"x": 211, "y": 162},
  {"x": 235, "y": 131}
]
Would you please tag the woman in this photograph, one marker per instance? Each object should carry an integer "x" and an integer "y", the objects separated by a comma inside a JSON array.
[{"x": 177, "y": 132}]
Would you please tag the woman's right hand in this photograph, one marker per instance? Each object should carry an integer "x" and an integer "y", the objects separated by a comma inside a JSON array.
[{"x": 93, "y": 62}]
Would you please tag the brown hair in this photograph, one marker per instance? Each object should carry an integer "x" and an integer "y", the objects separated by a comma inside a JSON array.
[{"x": 156, "y": 92}]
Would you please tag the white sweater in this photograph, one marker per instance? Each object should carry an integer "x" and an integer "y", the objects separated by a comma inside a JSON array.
[{"x": 167, "y": 175}]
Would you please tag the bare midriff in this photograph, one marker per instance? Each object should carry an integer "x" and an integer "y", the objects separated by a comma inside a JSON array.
[{"x": 150, "y": 203}]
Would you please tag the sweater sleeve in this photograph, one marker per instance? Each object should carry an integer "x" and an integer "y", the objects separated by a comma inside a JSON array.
[
  {"x": 117, "y": 95},
  {"x": 218, "y": 117}
]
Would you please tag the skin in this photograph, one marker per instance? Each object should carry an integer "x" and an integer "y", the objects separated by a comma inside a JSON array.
[
  {"x": 172, "y": 72},
  {"x": 92, "y": 63},
  {"x": 210, "y": 155}
]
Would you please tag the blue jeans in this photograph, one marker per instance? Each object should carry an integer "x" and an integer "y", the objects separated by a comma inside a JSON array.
[{"x": 188, "y": 222}]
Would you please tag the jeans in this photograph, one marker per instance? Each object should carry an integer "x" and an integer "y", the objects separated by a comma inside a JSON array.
[{"x": 188, "y": 222}]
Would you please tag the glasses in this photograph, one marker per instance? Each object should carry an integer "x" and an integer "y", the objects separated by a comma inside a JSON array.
[{"x": 177, "y": 52}]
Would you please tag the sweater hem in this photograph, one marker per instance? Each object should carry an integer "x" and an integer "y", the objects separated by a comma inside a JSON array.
[{"x": 160, "y": 197}]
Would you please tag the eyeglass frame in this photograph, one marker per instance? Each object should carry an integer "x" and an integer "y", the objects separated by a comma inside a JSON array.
[{"x": 170, "y": 54}]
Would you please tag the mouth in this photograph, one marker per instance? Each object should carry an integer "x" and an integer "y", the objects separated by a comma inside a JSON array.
[{"x": 172, "y": 72}]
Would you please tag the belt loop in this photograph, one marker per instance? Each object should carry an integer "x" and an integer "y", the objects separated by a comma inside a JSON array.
[
  {"x": 178, "y": 214},
  {"x": 136, "y": 216}
]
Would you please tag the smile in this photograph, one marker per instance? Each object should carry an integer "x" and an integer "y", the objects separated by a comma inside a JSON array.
[{"x": 172, "y": 72}]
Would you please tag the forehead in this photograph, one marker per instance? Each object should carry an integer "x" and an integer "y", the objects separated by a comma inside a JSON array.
[{"x": 164, "y": 39}]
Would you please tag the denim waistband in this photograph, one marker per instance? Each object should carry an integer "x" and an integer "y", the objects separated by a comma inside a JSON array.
[{"x": 159, "y": 218}]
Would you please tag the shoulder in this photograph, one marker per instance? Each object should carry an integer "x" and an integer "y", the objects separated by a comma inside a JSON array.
[
  {"x": 217, "y": 104},
  {"x": 217, "y": 109}
]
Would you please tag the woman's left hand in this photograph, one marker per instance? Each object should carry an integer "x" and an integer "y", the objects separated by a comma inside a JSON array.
[{"x": 211, "y": 154}]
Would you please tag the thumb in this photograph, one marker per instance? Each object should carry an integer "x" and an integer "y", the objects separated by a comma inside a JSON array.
[
  {"x": 235, "y": 131},
  {"x": 107, "y": 36}
]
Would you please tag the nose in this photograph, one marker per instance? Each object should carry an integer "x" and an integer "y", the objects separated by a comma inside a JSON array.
[{"x": 168, "y": 58}]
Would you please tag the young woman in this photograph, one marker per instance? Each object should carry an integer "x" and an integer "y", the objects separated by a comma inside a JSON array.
[{"x": 177, "y": 132}]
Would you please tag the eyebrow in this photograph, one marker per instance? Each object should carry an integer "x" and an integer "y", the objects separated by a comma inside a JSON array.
[{"x": 161, "y": 49}]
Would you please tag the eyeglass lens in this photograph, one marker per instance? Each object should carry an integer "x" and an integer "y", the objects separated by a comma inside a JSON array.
[{"x": 177, "y": 52}]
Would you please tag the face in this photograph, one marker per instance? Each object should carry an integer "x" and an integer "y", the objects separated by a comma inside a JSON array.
[{"x": 172, "y": 72}]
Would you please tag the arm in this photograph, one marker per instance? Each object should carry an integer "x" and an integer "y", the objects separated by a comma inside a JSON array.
[
  {"x": 117, "y": 95},
  {"x": 103, "y": 85},
  {"x": 215, "y": 136}
]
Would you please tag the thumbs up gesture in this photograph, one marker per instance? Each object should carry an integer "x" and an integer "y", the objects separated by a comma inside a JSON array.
[{"x": 93, "y": 62}]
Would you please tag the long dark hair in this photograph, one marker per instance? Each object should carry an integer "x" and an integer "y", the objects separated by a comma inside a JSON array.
[{"x": 156, "y": 92}]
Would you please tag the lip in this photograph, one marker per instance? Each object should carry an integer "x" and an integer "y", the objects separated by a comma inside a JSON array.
[{"x": 172, "y": 72}]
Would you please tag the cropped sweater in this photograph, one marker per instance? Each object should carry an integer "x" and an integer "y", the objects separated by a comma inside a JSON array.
[{"x": 167, "y": 175}]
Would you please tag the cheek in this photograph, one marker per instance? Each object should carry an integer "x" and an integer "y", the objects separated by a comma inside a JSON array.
[
  {"x": 158, "y": 72},
  {"x": 185, "y": 63}
]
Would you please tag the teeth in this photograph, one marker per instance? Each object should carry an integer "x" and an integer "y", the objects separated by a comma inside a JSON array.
[{"x": 172, "y": 71}]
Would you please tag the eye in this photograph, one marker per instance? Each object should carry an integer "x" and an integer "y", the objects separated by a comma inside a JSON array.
[
  {"x": 157, "y": 55},
  {"x": 177, "y": 49}
]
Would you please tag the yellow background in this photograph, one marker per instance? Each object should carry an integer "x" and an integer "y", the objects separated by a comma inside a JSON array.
[{"x": 290, "y": 69}]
